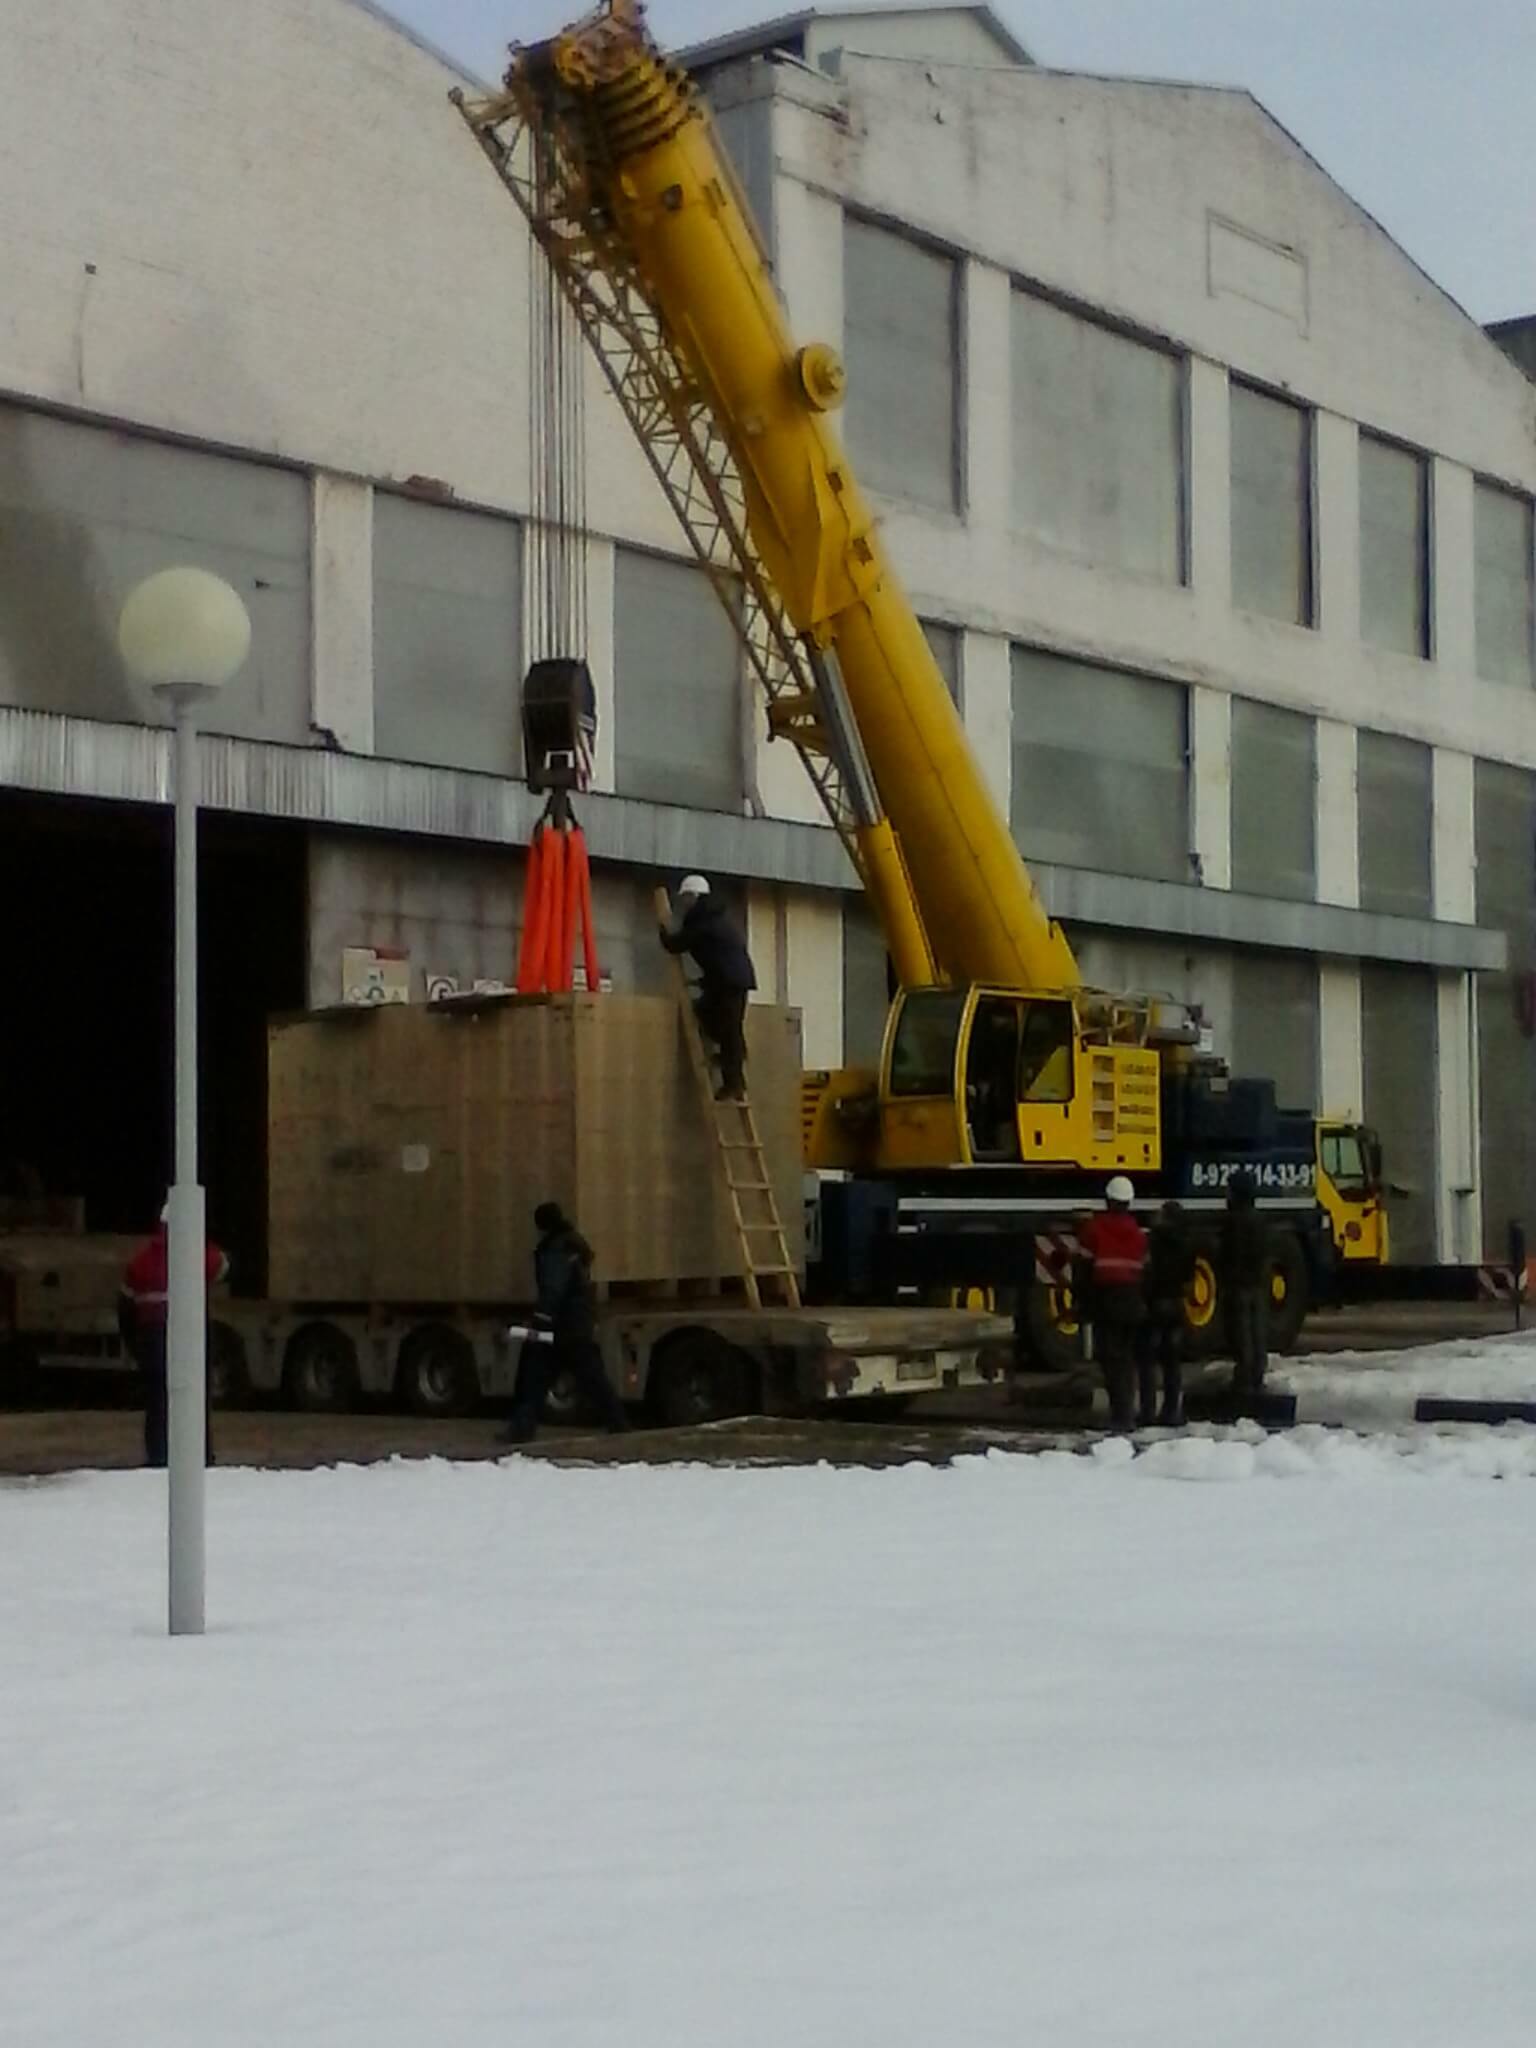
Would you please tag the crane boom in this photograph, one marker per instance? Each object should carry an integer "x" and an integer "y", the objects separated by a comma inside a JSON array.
[{"x": 633, "y": 200}]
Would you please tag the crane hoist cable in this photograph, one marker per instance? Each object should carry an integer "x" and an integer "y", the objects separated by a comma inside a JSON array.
[{"x": 559, "y": 706}]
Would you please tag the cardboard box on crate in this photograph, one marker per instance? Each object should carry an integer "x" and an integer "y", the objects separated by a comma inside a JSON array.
[{"x": 409, "y": 1146}]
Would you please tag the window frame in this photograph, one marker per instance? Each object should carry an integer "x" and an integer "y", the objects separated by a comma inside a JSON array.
[
  {"x": 1425, "y": 538},
  {"x": 957, "y": 259},
  {"x": 1311, "y": 558},
  {"x": 1160, "y": 344}
]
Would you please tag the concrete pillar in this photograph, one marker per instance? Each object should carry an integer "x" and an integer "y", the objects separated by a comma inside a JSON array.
[
  {"x": 1210, "y": 495},
  {"x": 808, "y": 257},
  {"x": 1340, "y": 1039},
  {"x": 1210, "y": 749},
  {"x": 1459, "y": 1217},
  {"x": 1459, "y": 1213},
  {"x": 1453, "y": 599},
  {"x": 1336, "y": 526},
  {"x": 341, "y": 611},
  {"x": 986, "y": 695},
  {"x": 768, "y": 941},
  {"x": 1338, "y": 814},
  {"x": 1454, "y": 842},
  {"x": 987, "y": 389},
  {"x": 813, "y": 930}
]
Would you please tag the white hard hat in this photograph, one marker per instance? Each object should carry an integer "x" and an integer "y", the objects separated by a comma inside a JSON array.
[
  {"x": 1120, "y": 1192},
  {"x": 693, "y": 885}
]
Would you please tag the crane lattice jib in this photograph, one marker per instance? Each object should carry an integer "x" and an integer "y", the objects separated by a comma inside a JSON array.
[
  {"x": 684, "y": 446},
  {"x": 613, "y": 160}
]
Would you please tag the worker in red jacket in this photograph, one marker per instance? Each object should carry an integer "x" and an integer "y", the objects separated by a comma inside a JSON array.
[
  {"x": 142, "y": 1321},
  {"x": 1110, "y": 1278}
]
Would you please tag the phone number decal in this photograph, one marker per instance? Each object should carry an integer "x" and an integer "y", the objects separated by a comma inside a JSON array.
[{"x": 1292, "y": 1176}]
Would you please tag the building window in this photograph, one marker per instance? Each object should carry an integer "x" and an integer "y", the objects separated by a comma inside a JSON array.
[
  {"x": 447, "y": 635},
  {"x": 1274, "y": 801},
  {"x": 87, "y": 511},
  {"x": 1396, "y": 825},
  {"x": 944, "y": 645},
  {"x": 1275, "y": 1024},
  {"x": 677, "y": 686},
  {"x": 1505, "y": 549},
  {"x": 1394, "y": 548},
  {"x": 1098, "y": 442},
  {"x": 1100, "y": 767},
  {"x": 901, "y": 326},
  {"x": 1271, "y": 506}
]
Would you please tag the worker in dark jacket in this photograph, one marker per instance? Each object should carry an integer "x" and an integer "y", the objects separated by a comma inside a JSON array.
[
  {"x": 1160, "y": 1340},
  {"x": 1111, "y": 1274},
  {"x": 707, "y": 932},
  {"x": 143, "y": 1308},
  {"x": 1242, "y": 1263},
  {"x": 564, "y": 1335}
]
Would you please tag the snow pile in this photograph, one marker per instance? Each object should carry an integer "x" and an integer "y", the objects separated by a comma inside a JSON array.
[
  {"x": 1364, "y": 1387},
  {"x": 1030, "y": 1749}
]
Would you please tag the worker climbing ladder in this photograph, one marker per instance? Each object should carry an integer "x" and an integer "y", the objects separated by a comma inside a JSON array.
[{"x": 767, "y": 1269}]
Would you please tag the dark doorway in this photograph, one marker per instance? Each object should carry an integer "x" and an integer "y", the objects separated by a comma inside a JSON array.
[{"x": 86, "y": 1036}]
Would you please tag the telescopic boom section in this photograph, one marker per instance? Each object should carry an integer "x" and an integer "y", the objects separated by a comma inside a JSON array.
[{"x": 659, "y": 185}]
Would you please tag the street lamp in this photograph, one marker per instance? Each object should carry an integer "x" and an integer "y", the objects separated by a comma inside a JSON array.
[{"x": 185, "y": 633}]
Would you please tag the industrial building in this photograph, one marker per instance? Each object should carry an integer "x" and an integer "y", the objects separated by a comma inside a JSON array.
[{"x": 1219, "y": 512}]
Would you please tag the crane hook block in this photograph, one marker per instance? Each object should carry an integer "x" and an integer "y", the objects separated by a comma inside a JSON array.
[
  {"x": 559, "y": 724},
  {"x": 822, "y": 376}
]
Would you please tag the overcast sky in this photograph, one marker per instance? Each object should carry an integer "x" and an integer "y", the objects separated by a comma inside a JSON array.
[{"x": 1420, "y": 108}]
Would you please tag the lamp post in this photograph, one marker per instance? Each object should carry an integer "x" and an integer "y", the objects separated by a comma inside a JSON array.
[{"x": 185, "y": 633}]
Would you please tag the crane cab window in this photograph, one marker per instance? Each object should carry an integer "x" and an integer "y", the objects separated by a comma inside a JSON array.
[
  {"x": 1045, "y": 1053},
  {"x": 1350, "y": 1160},
  {"x": 926, "y": 1042},
  {"x": 991, "y": 1078}
]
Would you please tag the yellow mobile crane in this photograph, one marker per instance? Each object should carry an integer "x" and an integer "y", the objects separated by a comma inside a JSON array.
[{"x": 1007, "y": 1091}]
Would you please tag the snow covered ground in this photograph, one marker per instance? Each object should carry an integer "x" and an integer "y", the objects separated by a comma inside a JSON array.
[
  {"x": 1363, "y": 1388},
  {"x": 1044, "y": 1749}
]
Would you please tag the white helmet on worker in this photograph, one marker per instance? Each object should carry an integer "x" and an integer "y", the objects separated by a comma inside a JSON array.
[
  {"x": 690, "y": 886},
  {"x": 1119, "y": 1194}
]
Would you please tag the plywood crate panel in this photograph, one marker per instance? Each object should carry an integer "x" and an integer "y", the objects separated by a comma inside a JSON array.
[{"x": 409, "y": 1147}]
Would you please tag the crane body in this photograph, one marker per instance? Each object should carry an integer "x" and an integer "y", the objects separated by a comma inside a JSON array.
[{"x": 996, "y": 1056}]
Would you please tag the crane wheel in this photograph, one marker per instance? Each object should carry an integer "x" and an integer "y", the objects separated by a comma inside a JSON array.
[
  {"x": 1290, "y": 1294},
  {"x": 1052, "y": 1329}
]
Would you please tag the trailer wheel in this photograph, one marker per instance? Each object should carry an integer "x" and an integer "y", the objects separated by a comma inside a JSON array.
[
  {"x": 697, "y": 1378},
  {"x": 1289, "y": 1294},
  {"x": 438, "y": 1375},
  {"x": 565, "y": 1405},
  {"x": 21, "y": 1375},
  {"x": 229, "y": 1376},
  {"x": 320, "y": 1370}
]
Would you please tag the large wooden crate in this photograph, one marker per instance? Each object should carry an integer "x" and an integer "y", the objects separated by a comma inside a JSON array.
[{"x": 408, "y": 1147}]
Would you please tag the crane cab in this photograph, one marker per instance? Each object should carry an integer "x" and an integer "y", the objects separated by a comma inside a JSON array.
[
  {"x": 996, "y": 1077},
  {"x": 1352, "y": 1191}
]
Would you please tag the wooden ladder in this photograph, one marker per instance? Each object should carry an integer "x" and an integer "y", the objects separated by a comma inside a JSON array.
[{"x": 767, "y": 1269}]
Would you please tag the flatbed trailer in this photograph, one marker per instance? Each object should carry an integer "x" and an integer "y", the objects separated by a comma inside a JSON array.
[{"x": 683, "y": 1360}]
